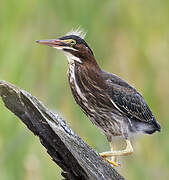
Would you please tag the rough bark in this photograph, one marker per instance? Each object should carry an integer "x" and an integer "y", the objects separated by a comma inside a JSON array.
[{"x": 66, "y": 149}]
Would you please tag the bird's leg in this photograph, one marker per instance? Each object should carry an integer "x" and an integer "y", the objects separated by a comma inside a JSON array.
[
  {"x": 113, "y": 158},
  {"x": 125, "y": 152}
]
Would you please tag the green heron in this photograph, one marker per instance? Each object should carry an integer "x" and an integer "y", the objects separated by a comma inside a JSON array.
[{"x": 113, "y": 105}]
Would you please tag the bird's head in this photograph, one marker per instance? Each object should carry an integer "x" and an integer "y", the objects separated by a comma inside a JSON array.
[{"x": 73, "y": 46}]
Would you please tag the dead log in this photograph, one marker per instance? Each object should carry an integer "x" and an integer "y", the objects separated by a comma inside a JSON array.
[{"x": 69, "y": 151}]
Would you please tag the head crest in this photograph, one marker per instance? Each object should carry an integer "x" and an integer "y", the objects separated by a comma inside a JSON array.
[{"x": 77, "y": 32}]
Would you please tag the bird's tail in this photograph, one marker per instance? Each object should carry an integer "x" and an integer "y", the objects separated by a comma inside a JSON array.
[
  {"x": 153, "y": 126},
  {"x": 145, "y": 127},
  {"x": 156, "y": 124}
]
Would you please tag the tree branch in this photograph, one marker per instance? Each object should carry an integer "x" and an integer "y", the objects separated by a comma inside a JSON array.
[{"x": 73, "y": 155}]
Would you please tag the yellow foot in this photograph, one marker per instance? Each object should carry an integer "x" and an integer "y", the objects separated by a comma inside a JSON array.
[
  {"x": 108, "y": 160},
  {"x": 114, "y": 154},
  {"x": 111, "y": 162},
  {"x": 125, "y": 152}
]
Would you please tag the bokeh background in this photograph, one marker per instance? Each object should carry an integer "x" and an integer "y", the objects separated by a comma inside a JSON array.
[{"x": 129, "y": 38}]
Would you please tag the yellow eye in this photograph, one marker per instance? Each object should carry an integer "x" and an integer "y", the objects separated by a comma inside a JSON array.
[{"x": 72, "y": 42}]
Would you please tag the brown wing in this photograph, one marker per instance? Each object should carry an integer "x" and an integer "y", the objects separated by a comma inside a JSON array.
[{"x": 127, "y": 100}]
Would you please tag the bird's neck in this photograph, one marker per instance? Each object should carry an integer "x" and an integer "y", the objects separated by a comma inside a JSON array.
[
  {"x": 88, "y": 71},
  {"x": 87, "y": 84},
  {"x": 88, "y": 62},
  {"x": 88, "y": 66},
  {"x": 72, "y": 59}
]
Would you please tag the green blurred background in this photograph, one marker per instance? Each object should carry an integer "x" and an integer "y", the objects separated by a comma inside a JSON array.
[{"x": 129, "y": 38}]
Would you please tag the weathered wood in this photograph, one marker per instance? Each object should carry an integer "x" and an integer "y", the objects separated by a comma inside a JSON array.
[{"x": 70, "y": 152}]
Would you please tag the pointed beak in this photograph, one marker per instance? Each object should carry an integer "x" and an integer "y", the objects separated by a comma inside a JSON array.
[{"x": 55, "y": 43}]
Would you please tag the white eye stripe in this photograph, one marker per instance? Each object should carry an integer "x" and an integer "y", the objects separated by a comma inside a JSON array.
[
  {"x": 70, "y": 48},
  {"x": 61, "y": 48}
]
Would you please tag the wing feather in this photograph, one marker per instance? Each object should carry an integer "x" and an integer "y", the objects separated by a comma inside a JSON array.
[{"x": 128, "y": 100}]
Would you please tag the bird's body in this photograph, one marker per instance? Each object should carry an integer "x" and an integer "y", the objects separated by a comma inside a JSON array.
[
  {"x": 114, "y": 106},
  {"x": 92, "y": 99}
]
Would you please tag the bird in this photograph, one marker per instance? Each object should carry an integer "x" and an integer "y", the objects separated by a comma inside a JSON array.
[{"x": 111, "y": 103}]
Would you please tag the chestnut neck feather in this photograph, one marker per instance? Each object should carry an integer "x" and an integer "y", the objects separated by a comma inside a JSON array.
[{"x": 87, "y": 76}]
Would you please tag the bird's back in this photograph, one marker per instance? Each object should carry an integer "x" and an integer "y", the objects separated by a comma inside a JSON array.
[{"x": 131, "y": 103}]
